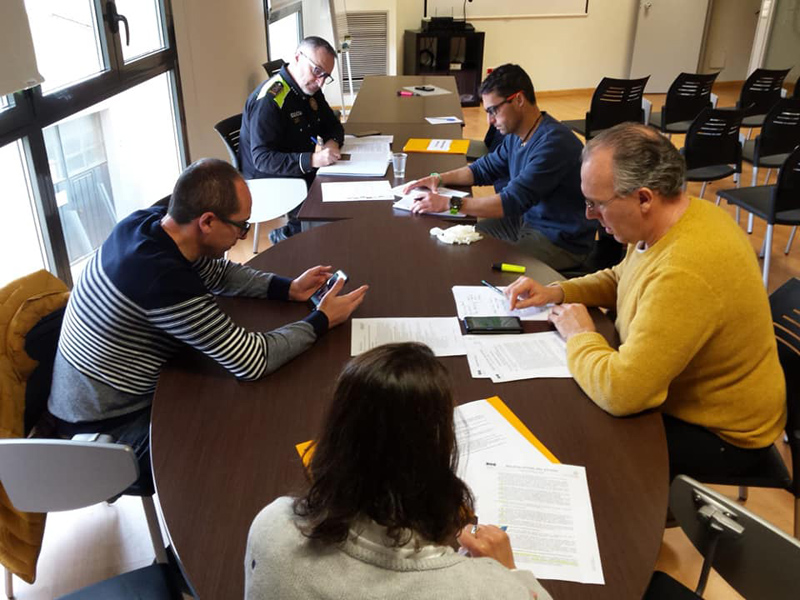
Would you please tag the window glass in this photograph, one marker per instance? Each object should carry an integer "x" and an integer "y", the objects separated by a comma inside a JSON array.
[
  {"x": 19, "y": 231},
  {"x": 144, "y": 21},
  {"x": 284, "y": 36},
  {"x": 111, "y": 159},
  {"x": 6, "y": 101},
  {"x": 66, "y": 41}
]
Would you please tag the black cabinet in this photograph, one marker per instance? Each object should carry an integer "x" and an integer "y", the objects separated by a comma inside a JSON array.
[{"x": 456, "y": 53}]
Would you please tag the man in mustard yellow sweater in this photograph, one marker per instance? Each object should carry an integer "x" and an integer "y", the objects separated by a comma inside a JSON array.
[{"x": 693, "y": 318}]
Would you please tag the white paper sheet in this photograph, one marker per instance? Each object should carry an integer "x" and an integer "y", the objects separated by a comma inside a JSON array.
[
  {"x": 439, "y": 145},
  {"x": 513, "y": 357},
  {"x": 548, "y": 513},
  {"x": 398, "y": 191},
  {"x": 481, "y": 301},
  {"x": 442, "y": 120},
  {"x": 360, "y": 164},
  {"x": 406, "y": 202},
  {"x": 436, "y": 91},
  {"x": 355, "y": 191},
  {"x": 370, "y": 143},
  {"x": 442, "y": 334}
]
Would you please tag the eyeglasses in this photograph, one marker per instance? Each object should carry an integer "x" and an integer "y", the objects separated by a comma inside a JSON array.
[
  {"x": 593, "y": 206},
  {"x": 243, "y": 226},
  {"x": 319, "y": 72},
  {"x": 492, "y": 110}
]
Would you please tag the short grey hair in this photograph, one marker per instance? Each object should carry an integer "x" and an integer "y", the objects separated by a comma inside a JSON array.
[
  {"x": 314, "y": 43},
  {"x": 641, "y": 157}
]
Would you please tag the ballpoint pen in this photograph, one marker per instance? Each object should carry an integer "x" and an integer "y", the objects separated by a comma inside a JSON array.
[{"x": 317, "y": 141}]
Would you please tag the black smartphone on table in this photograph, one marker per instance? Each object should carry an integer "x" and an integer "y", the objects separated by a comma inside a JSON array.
[
  {"x": 493, "y": 325},
  {"x": 316, "y": 297}
]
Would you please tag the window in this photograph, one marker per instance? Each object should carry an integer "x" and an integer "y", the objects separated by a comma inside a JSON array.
[
  {"x": 284, "y": 27},
  {"x": 100, "y": 138}
]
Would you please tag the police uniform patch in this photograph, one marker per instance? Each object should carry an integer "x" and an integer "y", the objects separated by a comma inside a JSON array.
[
  {"x": 275, "y": 88},
  {"x": 312, "y": 102}
]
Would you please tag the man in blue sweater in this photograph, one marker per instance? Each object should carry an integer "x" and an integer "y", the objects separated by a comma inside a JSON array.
[
  {"x": 149, "y": 291},
  {"x": 541, "y": 209}
]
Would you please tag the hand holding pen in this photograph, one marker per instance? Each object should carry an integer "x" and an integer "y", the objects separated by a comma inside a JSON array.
[
  {"x": 323, "y": 155},
  {"x": 488, "y": 540}
]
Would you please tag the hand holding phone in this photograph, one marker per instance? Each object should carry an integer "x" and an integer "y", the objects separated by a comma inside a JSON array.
[{"x": 317, "y": 296}]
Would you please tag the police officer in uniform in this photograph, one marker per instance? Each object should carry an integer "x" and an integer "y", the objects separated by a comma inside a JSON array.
[{"x": 288, "y": 128}]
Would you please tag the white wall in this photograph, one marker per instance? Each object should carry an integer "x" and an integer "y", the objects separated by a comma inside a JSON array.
[
  {"x": 732, "y": 27},
  {"x": 783, "y": 49},
  {"x": 557, "y": 52},
  {"x": 221, "y": 46}
]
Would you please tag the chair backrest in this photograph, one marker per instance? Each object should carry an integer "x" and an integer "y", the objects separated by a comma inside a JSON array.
[
  {"x": 615, "y": 101},
  {"x": 42, "y": 475},
  {"x": 761, "y": 91},
  {"x": 754, "y": 557},
  {"x": 713, "y": 139},
  {"x": 228, "y": 130},
  {"x": 785, "y": 305},
  {"x": 787, "y": 190},
  {"x": 273, "y": 66},
  {"x": 781, "y": 130},
  {"x": 687, "y": 96}
]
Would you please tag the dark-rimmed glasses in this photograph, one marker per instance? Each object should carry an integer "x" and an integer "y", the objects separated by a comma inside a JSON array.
[
  {"x": 319, "y": 72},
  {"x": 492, "y": 110},
  {"x": 243, "y": 226}
]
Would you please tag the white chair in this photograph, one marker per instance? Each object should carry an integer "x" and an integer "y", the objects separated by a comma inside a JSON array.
[
  {"x": 273, "y": 198},
  {"x": 46, "y": 475}
]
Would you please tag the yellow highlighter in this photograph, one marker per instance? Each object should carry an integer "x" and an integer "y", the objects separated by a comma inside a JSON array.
[{"x": 508, "y": 268}]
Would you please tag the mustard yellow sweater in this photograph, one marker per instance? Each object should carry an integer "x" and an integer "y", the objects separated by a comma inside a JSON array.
[{"x": 695, "y": 329}]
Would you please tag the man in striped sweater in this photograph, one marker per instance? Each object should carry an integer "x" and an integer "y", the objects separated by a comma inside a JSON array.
[{"x": 149, "y": 290}]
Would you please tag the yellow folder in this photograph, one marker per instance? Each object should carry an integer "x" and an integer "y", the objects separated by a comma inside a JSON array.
[
  {"x": 306, "y": 449},
  {"x": 421, "y": 145}
]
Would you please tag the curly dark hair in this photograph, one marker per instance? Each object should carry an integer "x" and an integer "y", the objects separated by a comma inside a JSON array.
[{"x": 388, "y": 452}]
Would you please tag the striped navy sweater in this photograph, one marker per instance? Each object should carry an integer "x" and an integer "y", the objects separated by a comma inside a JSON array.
[{"x": 139, "y": 301}]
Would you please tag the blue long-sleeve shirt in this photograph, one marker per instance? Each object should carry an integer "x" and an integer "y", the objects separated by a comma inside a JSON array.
[{"x": 545, "y": 183}]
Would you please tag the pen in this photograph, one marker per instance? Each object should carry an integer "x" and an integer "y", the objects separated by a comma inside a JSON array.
[
  {"x": 490, "y": 286},
  {"x": 317, "y": 141},
  {"x": 508, "y": 268}
]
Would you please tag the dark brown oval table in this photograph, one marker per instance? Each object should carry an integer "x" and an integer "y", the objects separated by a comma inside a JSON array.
[{"x": 223, "y": 449}]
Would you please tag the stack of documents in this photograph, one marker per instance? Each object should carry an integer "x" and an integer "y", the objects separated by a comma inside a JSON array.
[
  {"x": 406, "y": 201},
  {"x": 362, "y": 157},
  {"x": 441, "y": 334},
  {"x": 355, "y": 191},
  {"x": 442, "y": 120},
  {"x": 519, "y": 484},
  {"x": 504, "y": 358}
]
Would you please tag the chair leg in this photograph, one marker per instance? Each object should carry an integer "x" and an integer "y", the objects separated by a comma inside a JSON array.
[
  {"x": 738, "y": 214},
  {"x": 749, "y": 131},
  {"x": 155, "y": 529},
  {"x": 766, "y": 179},
  {"x": 703, "y": 189},
  {"x": 797, "y": 518},
  {"x": 763, "y": 248},
  {"x": 750, "y": 223},
  {"x": 719, "y": 199},
  {"x": 743, "y": 491},
  {"x": 10, "y": 580},
  {"x": 754, "y": 179},
  {"x": 791, "y": 239},
  {"x": 767, "y": 252},
  {"x": 255, "y": 238}
]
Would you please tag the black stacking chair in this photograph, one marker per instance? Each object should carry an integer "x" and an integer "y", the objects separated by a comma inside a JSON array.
[
  {"x": 756, "y": 558},
  {"x": 273, "y": 66},
  {"x": 614, "y": 101},
  {"x": 759, "y": 94},
  {"x": 712, "y": 149},
  {"x": 777, "y": 204},
  {"x": 689, "y": 94},
  {"x": 779, "y": 136},
  {"x": 228, "y": 130}
]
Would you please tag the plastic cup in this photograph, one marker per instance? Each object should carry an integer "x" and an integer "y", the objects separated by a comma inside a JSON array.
[{"x": 399, "y": 164}]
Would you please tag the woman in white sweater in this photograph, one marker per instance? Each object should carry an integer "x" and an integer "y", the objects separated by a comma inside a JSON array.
[{"x": 384, "y": 506}]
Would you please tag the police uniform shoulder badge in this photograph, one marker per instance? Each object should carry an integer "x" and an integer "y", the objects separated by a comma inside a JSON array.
[
  {"x": 275, "y": 88},
  {"x": 312, "y": 102}
]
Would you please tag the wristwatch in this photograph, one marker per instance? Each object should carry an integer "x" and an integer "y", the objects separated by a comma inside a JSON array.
[{"x": 455, "y": 204}]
